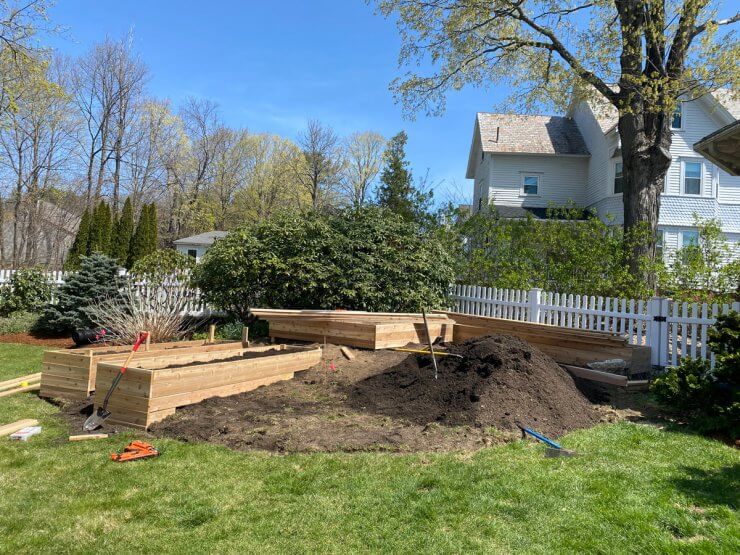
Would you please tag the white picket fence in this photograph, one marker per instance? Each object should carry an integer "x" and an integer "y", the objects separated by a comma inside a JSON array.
[
  {"x": 193, "y": 304},
  {"x": 671, "y": 329}
]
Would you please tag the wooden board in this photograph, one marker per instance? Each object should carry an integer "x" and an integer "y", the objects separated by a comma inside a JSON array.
[
  {"x": 71, "y": 374},
  {"x": 365, "y": 334},
  {"x": 7, "y": 429},
  {"x": 146, "y": 395}
]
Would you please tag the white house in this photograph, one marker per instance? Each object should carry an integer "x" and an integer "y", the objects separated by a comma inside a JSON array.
[
  {"x": 524, "y": 164},
  {"x": 197, "y": 245}
]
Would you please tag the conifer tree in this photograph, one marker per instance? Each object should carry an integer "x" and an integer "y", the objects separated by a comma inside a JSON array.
[
  {"x": 140, "y": 241},
  {"x": 397, "y": 191},
  {"x": 100, "y": 230},
  {"x": 81, "y": 242},
  {"x": 96, "y": 279},
  {"x": 153, "y": 235},
  {"x": 123, "y": 232}
]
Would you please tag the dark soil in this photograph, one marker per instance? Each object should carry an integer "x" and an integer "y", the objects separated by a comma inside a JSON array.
[
  {"x": 390, "y": 401},
  {"x": 29, "y": 339}
]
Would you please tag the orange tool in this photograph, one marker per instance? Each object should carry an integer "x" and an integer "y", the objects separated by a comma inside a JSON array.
[{"x": 135, "y": 450}]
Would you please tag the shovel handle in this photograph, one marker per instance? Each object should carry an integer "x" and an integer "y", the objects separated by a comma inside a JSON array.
[{"x": 139, "y": 340}]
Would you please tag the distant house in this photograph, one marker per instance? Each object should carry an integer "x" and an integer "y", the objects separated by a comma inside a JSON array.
[
  {"x": 197, "y": 245},
  {"x": 522, "y": 164}
]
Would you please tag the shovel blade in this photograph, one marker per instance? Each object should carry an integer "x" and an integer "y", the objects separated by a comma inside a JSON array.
[{"x": 95, "y": 420}]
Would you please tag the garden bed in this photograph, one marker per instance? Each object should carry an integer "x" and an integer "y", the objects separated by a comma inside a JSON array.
[
  {"x": 153, "y": 388},
  {"x": 390, "y": 401},
  {"x": 71, "y": 374}
]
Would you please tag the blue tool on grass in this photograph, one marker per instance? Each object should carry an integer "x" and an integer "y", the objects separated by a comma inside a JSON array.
[{"x": 553, "y": 450}]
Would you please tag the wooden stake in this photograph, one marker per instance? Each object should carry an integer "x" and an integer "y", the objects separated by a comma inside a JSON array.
[
  {"x": 148, "y": 341},
  {"x": 13, "y": 427},
  {"x": 347, "y": 352},
  {"x": 85, "y": 437},
  {"x": 212, "y": 333},
  {"x": 245, "y": 336}
]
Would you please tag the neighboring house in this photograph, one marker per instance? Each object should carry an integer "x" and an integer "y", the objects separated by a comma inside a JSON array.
[
  {"x": 197, "y": 245},
  {"x": 522, "y": 164}
]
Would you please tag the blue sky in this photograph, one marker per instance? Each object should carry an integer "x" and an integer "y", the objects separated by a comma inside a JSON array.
[{"x": 273, "y": 66}]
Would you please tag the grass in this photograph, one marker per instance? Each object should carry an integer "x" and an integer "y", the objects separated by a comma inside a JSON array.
[{"x": 635, "y": 489}]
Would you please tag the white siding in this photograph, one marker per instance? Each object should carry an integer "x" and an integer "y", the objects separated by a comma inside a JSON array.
[
  {"x": 599, "y": 184},
  {"x": 562, "y": 179},
  {"x": 729, "y": 188}
]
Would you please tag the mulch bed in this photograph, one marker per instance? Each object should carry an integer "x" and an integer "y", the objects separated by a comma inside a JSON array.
[
  {"x": 28, "y": 339},
  {"x": 390, "y": 401}
]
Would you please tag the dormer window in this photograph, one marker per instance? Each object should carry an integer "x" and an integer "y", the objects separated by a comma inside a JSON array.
[{"x": 677, "y": 117}]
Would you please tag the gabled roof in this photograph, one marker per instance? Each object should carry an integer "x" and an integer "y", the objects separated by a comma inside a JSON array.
[
  {"x": 514, "y": 133},
  {"x": 607, "y": 115},
  {"x": 203, "y": 239}
]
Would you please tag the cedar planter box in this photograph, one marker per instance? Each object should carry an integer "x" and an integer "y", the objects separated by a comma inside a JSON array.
[
  {"x": 70, "y": 374},
  {"x": 152, "y": 389},
  {"x": 357, "y": 333}
]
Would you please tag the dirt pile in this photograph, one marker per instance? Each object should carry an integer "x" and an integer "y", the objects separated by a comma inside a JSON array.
[
  {"x": 499, "y": 381},
  {"x": 390, "y": 401}
]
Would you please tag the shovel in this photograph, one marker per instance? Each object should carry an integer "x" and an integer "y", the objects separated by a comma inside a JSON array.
[{"x": 96, "y": 419}]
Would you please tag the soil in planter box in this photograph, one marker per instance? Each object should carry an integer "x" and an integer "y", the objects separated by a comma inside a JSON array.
[{"x": 390, "y": 401}]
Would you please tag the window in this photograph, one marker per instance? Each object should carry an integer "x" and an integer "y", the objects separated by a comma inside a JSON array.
[
  {"x": 193, "y": 253},
  {"x": 530, "y": 184},
  {"x": 692, "y": 178},
  {"x": 659, "y": 238},
  {"x": 618, "y": 178},
  {"x": 689, "y": 238},
  {"x": 676, "y": 119}
]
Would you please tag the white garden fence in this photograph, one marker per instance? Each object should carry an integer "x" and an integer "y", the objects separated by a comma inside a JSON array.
[
  {"x": 673, "y": 330},
  {"x": 194, "y": 303}
]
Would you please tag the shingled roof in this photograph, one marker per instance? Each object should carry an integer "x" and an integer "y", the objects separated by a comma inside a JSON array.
[{"x": 514, "y": 133}]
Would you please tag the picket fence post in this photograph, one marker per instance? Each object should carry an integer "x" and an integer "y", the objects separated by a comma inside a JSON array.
[
  {"x": 534, "y": 304},
  {"x": 657, "y": 312}
]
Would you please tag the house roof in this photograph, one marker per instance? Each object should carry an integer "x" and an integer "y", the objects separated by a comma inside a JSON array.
[
  {"x": 520, "y": 134},
  {"x": 202, "y": 239},
  {"x": 607, "y": 116},
  {"x": 722, "y": 147}
]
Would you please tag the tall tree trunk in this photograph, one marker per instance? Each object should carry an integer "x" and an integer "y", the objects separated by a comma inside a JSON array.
[{"x": 646, "y": 157}]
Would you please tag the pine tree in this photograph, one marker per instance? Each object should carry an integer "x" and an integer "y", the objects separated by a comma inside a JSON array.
[
  {"x": 140, "y": 241},
  {"x": 100, "y": 230},
  {"x": 96, "y": 279},
  {"x": 81, "y": 243},
  {"x": 123, "y": 232},
  {"x": 153, "y": 235},
  {"x": 397, "y": 191}
]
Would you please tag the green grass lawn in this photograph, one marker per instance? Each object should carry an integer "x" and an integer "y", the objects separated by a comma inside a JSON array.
[{"x": 635, "y": 489}]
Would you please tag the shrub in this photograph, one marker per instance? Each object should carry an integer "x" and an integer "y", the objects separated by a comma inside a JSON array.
[
  {"x": 29, "y": 290},
  {"x": 700, "y": 272},
  {"x": 161, "y": 312},
  {"x": 163, "y": 263},
  {"x": 569, "y": 252},
  {"x": 18, "y": 322},
  {"x": 708, "y": 397},
  {"x": 96, "y": 279},
  {"x": 368, "y": 259}
]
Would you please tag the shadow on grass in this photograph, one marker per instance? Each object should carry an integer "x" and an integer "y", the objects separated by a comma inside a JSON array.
[{"x": 715, "y": 487}]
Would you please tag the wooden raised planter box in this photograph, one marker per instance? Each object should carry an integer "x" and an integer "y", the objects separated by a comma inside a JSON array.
[
  {"x": 363, "y": 334},
  {"x": 152, "y": 389},
  {"x": 70, "y": 374}
]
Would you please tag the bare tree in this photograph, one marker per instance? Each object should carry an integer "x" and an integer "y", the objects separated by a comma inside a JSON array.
[
  {"x": 363, "y": 155},
  {"x": 320, "y": 171},
  {"x": 129, "y": 74}
]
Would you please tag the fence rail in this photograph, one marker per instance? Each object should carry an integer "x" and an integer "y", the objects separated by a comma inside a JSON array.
[{"x": 672, "y": 330}]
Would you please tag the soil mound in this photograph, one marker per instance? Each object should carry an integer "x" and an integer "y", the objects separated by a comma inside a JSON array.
[{"x": 500, "y": 380}]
